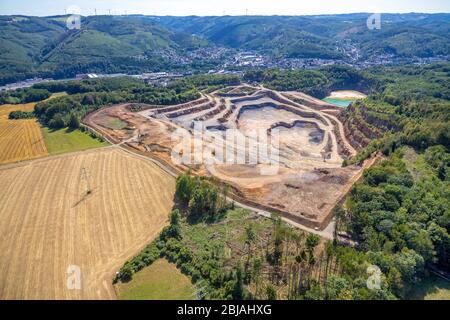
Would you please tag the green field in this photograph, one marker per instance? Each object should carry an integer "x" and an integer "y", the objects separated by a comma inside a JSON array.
[
  {"x": 432, "y": 288},
  {"x": 64, "y": 140},
  {"x": 160, "y": 281}
]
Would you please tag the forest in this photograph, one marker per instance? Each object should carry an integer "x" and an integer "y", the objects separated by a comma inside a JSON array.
[
  {"x": 318, "y": 83},
  {"x": 398, "y": 217},
  {"x": 87, "y": 96},
  {"x": 230, "y": 253}
]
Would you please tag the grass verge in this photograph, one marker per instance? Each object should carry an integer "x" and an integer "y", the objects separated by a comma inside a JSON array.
[
  {"x": 65, "y": 140},
  {"x": 160, "y": 281},
  {"x": 432, "y": 288}
]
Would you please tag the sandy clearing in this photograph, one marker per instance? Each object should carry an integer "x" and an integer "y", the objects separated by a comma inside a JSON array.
[{"x": 347, "y": 94}]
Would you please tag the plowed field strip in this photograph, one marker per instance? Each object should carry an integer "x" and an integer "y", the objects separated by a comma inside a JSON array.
[{"x": 20, "y": 139}]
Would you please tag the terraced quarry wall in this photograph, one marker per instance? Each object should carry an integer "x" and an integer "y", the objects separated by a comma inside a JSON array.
[
  {"x": 50, "y": 222},
  {"x": 362, "y": 126},
  {"x": 159, "y": 110}
]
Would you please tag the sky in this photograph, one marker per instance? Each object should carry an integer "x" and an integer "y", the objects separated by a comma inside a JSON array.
[{"x": 219, "y": 7}]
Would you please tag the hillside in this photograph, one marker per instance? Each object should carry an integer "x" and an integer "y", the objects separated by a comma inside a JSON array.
[
  {"x": 33, "y": 46},
  {"x": 44, "y": 46},
  {"x": 22, "y": 40},
  {"x": 422, "y": 35},
  {"x": 277, "y": 35},
  {"x": 116, "y": 44}
]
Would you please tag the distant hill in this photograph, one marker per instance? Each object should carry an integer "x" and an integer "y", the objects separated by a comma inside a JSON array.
[
  {"x": 423, "y": 35},
  {"x": 33, "y": 46},
  {"x": 44, "y": 46}
]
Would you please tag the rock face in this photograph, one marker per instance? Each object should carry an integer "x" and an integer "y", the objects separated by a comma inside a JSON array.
[
  {"x": 363, "y": 125},
  {"x": 212, "y": 113},
  {"x": 181, "y": 106},
  {"x": 358, "y": 131}
]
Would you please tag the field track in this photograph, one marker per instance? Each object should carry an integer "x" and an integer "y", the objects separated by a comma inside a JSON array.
[
  {"x": 20, "y": 139},
  {"x": 49, "y": 222}
]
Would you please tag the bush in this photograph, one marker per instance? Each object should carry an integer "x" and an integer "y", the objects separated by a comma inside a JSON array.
[
  {"x": 271, "y": 292},
  {"x": 74, "y": 122},
  {"x": 204, "y": 200},
  {"x": 57, "y": 122},
  {"x": 125, "y": 273},
  {"x": 16, "y": 115}
]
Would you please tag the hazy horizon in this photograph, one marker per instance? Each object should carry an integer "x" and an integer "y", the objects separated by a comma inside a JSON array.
[
  {"x": 216, "y": 8},
  {"x": 226, "y": 15}
]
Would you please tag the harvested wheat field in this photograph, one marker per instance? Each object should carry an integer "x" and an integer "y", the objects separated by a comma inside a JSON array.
[
  {"x": 92, "y": 209},
  {"x": 20, "y": 139}
]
